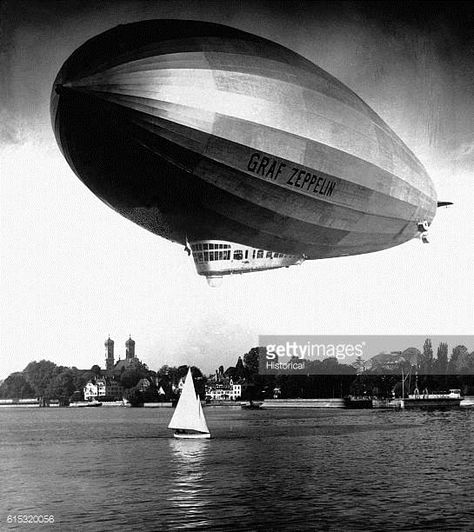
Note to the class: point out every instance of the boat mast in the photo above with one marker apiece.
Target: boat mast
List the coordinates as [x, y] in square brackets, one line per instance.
[402, 402]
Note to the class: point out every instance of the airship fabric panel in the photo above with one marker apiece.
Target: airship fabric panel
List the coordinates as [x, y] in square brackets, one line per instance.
[200, 131]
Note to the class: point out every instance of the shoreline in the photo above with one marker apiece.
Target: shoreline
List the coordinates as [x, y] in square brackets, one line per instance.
[467, 402]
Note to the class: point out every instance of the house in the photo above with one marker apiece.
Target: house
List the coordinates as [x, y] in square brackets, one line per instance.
[101, 387]
[224, 390]
[143, 385]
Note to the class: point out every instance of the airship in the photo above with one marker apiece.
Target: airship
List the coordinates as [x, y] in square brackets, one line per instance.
[241, 150]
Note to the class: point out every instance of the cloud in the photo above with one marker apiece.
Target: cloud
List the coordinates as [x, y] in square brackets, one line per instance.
[10, 132]
[465, 150]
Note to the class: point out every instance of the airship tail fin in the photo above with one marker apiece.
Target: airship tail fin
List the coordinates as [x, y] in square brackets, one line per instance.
[444, 203]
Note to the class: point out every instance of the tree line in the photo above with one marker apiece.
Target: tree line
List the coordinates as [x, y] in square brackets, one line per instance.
[325, 378]
[46, 381]
[328, 378]
[422, 369]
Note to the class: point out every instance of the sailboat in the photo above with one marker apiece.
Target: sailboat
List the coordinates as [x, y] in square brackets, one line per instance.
[188, 420]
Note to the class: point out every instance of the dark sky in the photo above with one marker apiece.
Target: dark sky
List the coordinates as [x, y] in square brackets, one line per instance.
[425, 49]
[76, 267]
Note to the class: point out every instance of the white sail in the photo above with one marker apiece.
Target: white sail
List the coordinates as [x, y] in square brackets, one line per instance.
[188, 414]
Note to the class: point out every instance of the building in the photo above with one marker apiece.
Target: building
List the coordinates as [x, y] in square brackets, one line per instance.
[94, 389]
[143, 385]
[109, 355]
[224, 390]
[101, 387]
[115, 369]
[129, 349]
[393, 360]
[108, 385]
[226, 385]
[130, 361]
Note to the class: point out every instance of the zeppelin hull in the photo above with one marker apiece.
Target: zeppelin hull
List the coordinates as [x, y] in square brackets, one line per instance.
[202, 131]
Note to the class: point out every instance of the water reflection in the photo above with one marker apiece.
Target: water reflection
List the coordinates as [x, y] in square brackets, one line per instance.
[189, 493]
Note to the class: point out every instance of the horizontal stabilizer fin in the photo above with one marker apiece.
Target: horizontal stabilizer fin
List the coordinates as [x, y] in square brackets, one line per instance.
[444, 203]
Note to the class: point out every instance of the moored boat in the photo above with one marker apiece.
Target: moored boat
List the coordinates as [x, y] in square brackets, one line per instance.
[438, 400]
[85, 404]
[468, 402]
[251, 405]
[94, 403]
[352, 401]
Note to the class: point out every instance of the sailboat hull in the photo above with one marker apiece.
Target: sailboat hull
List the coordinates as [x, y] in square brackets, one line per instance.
[192, 436]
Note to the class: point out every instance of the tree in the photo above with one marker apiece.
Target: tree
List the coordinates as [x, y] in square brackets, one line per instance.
[198, 379]
[358, 364]
[412, 355]
[77, 395]
[251, 363]
[441, 363]
[230, 372]
[164, 371]
[80, 378]
[134, 396]
[459, 361]
[426, 364]
[166, 377]
[39, 375]
[61, 387]
[96, 371]
[15, 386]
[182, 371]
[239, 369]
[130, 377]
[252, 392]
[329, 366]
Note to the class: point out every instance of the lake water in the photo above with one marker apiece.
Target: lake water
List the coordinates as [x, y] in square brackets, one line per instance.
[293, 469]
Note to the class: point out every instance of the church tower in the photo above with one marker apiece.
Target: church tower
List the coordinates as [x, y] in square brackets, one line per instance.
[130, 349]
[109, 354]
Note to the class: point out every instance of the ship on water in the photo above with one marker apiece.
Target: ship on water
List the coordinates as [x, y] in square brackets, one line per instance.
[438, 400]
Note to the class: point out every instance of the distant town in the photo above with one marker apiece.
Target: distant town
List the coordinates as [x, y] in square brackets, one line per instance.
[128, 380]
